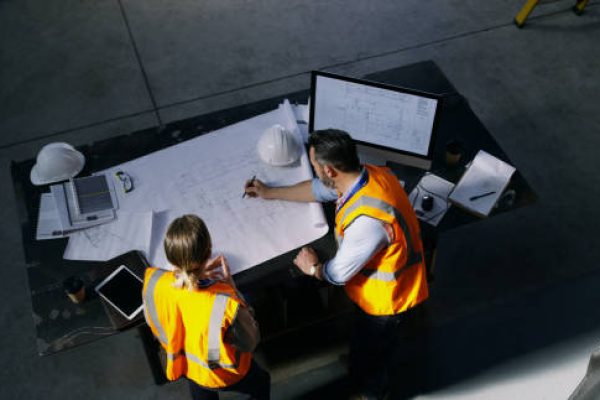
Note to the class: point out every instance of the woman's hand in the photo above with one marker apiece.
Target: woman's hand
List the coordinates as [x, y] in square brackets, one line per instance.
[217, 269]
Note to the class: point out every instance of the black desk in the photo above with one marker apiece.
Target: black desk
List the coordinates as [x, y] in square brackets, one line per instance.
[458, 122]
[45, 266]
[61, 324]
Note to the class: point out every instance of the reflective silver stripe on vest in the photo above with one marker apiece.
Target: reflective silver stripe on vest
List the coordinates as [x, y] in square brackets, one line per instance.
[172, 356]
[198, 360]
[151, 305]
[382, 206]
[412, 258]
[214, 328]
[390, 276]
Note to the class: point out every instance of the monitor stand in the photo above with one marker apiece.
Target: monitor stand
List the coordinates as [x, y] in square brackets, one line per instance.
[376, 156]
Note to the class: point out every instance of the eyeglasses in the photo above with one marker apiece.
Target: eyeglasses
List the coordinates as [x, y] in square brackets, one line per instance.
[126, 181]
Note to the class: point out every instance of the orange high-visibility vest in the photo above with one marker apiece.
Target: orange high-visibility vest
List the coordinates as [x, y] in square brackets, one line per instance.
[191, 325]
[393, 280]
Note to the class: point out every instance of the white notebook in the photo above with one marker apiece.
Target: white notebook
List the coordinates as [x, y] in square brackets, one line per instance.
[49, 226]
[482, 184]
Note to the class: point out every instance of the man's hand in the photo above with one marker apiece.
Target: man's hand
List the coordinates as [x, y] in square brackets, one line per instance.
[301, 191]
[256, 188]
[306, 259]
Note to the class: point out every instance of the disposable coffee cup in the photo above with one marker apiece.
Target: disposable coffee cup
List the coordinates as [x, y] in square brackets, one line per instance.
[75, 289]
[454, 152]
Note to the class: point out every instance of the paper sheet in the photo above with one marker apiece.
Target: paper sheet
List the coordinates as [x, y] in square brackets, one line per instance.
[48, 226]
[316, 210]
[160, 223]
[206, 176]
[130, 231]
[301, 114]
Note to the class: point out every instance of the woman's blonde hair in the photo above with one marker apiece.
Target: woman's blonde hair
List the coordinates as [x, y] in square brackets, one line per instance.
[188, 247]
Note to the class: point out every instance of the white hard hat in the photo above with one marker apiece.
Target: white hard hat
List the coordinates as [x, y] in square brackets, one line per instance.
[278, 147]
[56, 162]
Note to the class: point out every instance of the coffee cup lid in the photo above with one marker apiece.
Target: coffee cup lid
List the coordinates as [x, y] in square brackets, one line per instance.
[72, 284]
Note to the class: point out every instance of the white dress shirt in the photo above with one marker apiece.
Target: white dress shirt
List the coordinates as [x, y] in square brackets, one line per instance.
[361, 241]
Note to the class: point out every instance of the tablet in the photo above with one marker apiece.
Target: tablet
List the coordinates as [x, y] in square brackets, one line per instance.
[123, 290]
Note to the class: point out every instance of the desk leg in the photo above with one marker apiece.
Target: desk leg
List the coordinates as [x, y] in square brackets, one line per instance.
[151, 349]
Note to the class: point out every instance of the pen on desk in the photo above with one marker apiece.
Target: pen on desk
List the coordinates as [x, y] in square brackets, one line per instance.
[479, 196]
[251, 182]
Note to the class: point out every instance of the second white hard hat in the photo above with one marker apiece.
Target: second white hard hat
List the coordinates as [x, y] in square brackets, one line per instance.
[56, 162]
[278, 147]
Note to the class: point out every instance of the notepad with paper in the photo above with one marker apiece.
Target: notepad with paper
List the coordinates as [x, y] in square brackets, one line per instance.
[482, 184]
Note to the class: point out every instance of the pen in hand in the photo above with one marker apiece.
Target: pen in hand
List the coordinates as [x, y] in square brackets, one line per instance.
[249, 184]
[479, 196]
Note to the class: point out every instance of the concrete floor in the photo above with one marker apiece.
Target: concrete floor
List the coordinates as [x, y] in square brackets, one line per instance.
[513, 303]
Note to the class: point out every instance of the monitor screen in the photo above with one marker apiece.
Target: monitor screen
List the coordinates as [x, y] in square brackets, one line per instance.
[374, 114]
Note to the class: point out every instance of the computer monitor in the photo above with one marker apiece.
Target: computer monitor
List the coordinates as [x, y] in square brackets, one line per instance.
[387, 122]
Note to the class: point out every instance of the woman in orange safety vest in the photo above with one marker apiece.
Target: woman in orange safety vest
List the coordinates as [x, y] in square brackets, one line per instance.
[205, 327]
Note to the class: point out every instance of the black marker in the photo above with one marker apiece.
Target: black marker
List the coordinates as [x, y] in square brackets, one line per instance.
[479, 196]
[251, 183]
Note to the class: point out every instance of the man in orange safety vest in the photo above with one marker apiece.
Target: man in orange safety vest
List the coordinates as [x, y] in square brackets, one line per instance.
[379, 259]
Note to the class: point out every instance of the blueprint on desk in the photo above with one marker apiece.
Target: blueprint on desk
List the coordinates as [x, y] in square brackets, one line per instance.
[206, 176]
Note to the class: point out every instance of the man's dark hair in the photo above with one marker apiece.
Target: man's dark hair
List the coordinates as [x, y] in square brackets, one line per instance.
[335, 147]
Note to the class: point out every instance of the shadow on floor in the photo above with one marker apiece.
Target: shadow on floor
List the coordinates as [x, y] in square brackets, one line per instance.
[434, 357]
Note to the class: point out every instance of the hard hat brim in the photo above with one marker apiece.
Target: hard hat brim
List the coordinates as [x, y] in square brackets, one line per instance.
[38, 178]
